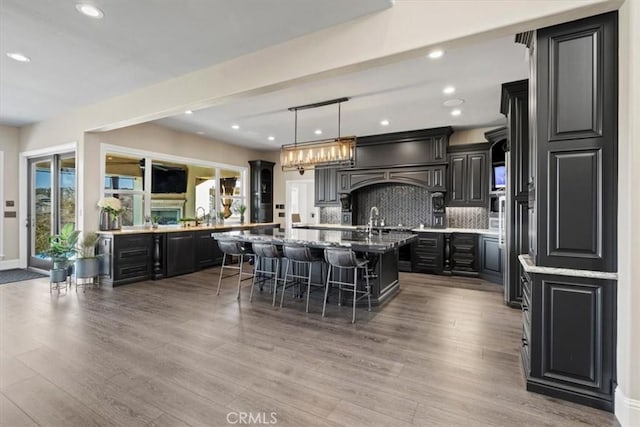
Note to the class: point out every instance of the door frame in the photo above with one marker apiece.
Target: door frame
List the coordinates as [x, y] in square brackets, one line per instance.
[23, 190]
[288, 183]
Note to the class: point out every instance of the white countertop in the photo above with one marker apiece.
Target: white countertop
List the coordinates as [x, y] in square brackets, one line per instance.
[530, 267]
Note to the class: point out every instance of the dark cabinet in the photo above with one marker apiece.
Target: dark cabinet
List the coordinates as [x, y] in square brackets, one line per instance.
[207, 252]
[468, 176]
[491, 259]
[577, 124]
[261, 187]
[428, 253]
[514, 105]
[464, 254]
[326, 187]
[125, 258]
[410, 148]
[569, 330]
[180, 253]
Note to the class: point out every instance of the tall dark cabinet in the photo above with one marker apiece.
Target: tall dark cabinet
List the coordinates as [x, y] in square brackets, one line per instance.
[514, 105]
[569, 320]
[261, 187]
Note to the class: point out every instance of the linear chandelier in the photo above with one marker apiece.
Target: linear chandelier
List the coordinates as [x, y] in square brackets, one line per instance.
[301, 156]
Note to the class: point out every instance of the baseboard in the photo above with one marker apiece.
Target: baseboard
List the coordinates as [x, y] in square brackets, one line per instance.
[9, 264]
[627, 410]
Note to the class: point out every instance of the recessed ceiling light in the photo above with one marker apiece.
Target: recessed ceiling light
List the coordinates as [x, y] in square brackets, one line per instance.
[271, 138]
[235, 127]
[453, 102]
[18, 57]
[89, 10]
[188, 112]
[448, 90]
[435, 54]
[456, 112]
[384, 122]
[318, 131]
[200, 132]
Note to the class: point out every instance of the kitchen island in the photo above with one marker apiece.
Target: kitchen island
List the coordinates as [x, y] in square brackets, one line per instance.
[380, 249]
[138, 254]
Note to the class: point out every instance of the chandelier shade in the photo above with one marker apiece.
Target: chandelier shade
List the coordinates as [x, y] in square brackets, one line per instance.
[306, 155]
[339, 151]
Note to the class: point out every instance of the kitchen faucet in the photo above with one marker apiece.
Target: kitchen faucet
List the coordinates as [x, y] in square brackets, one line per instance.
[371, 213]
[204, 214]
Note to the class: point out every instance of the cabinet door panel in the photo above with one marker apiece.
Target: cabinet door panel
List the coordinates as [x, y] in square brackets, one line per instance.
[457, 165]
[180, 253]
[477, 179]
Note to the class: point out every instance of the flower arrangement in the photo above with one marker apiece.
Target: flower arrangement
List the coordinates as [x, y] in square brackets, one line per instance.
[111, 205]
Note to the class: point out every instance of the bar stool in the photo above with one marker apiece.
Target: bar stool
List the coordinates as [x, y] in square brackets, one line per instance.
[346, 259]
[232, 248]
[300, 255]
[266, 252]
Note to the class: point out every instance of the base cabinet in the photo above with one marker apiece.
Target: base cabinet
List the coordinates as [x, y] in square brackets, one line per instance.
[491, 259]
[125, 259]
[569, 338]
[464, 254]
[428, 253]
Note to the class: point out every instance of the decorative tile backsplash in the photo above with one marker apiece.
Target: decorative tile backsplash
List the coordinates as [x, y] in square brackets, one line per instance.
[397, 204]
[467, 217]
[404, 204]
[330, 215]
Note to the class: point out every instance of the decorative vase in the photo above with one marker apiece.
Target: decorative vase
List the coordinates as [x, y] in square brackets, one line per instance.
[105, 220]
[241, 218]
[115, 222]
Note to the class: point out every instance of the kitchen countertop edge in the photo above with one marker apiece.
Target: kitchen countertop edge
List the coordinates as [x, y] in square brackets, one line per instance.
[530, 267]
[218, 228]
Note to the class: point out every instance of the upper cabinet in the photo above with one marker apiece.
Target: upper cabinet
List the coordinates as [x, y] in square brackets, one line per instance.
[326, 187]
[577, 124]
[261, 191]
[468, 175]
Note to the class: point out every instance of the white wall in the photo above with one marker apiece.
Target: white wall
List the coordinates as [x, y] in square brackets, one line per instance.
[9, 144]
[628, 334]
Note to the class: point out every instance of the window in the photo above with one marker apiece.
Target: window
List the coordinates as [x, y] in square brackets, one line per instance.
[169, 189]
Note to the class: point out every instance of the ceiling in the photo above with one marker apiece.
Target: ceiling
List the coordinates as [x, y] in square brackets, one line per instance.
[408, 94]
[77, 61]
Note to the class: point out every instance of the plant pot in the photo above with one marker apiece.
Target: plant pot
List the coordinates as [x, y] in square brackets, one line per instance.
[57, 275]
[87, 267]
[105, 220]
[242, 219]
[115, 222]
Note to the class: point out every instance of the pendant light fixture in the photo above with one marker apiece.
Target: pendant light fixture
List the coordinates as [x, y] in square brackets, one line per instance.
[301, 156]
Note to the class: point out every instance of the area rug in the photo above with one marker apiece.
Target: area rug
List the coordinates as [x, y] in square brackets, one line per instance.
[18, 275]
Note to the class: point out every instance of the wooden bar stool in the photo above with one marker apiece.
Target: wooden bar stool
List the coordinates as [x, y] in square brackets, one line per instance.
[232, 248]
[346, 259]
[266, 252]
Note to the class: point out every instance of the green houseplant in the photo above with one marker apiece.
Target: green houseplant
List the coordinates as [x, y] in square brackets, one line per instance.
[241, 210]
[87, 264]
[62, 247]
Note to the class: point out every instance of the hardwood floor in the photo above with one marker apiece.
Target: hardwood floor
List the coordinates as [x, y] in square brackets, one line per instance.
[445, 351]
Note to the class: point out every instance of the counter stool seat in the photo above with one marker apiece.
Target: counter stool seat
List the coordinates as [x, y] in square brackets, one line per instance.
[346, 259]
[232, 248]
[266, 252]
[301, 255]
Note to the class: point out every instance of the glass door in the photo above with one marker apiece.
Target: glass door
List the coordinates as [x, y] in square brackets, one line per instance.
[52, 203]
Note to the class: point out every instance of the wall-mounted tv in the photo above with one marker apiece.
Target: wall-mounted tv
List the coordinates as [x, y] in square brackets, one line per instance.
[499, 176]
[168, 179]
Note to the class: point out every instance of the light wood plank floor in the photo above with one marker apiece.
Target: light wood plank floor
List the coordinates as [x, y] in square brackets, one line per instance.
[171, 353]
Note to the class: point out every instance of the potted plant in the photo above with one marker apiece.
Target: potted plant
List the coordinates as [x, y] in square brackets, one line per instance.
[61, 248]
[87, 264]
[156, 220]
[241, 210]
[221, 216]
